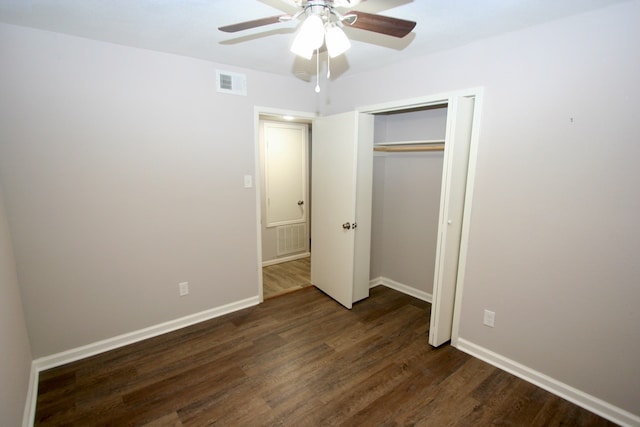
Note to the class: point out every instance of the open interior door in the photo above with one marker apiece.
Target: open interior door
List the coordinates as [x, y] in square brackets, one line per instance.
[454, 182]
[341, 171]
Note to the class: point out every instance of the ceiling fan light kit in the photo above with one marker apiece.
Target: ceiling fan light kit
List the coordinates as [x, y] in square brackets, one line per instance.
[309, 38]
[318, 28]
[322, 25]
[336, 40]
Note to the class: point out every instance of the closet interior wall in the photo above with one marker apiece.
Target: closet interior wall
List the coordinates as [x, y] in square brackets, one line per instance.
[406, 197]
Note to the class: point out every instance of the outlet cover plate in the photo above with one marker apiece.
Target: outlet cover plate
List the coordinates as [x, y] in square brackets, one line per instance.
[183, 288]
[489, 318]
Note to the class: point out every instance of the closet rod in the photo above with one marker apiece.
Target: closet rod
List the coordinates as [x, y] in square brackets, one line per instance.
[408, 148]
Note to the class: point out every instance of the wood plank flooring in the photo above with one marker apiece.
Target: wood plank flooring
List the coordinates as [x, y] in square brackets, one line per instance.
[298, 360]
[289, 276]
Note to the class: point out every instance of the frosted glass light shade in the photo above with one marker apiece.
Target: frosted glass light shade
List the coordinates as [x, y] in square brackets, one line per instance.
[337, 41]
[309, 38]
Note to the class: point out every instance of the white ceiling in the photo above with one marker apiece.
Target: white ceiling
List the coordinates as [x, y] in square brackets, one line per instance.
[189, 27]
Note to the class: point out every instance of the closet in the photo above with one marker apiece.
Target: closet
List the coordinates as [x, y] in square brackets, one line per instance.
[420, 193]
[409, 234]
[407, 178]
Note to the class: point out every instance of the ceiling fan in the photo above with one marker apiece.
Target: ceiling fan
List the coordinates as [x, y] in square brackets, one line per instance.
[322, 25]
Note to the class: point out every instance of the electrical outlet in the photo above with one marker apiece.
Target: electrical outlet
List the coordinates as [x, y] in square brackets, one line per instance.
[183, 288]
[489, 318]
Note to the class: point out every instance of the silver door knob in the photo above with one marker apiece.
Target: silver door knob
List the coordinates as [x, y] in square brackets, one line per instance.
[346, 226]
[300, 202]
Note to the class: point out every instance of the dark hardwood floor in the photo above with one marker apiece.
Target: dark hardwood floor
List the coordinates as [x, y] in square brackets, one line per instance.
[299, 360]
[289, 276]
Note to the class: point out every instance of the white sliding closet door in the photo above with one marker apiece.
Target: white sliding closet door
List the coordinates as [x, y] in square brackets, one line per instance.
[454, 181]
[341, 205]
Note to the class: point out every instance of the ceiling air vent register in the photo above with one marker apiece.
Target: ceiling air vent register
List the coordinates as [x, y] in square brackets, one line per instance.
[232, 83]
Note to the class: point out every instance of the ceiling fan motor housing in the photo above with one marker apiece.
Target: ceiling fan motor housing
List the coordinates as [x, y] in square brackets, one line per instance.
[319, 8]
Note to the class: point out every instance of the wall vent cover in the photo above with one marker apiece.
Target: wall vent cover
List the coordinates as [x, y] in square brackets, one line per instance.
[291, 238]
[233, 83]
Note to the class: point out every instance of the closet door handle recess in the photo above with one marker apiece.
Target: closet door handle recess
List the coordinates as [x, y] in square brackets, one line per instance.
[346, 226]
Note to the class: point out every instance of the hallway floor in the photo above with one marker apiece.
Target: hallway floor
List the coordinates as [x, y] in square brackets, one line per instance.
[289, 276]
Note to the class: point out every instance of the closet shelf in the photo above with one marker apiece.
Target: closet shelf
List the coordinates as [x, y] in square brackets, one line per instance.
[409, 147]
[419, 142]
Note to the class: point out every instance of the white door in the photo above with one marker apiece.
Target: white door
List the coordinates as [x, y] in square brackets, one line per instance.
[341, 228]
[454, 181]
[285, 172]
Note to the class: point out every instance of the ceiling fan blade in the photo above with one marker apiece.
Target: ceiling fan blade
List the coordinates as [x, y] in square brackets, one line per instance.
[382, 24]
[251, 24]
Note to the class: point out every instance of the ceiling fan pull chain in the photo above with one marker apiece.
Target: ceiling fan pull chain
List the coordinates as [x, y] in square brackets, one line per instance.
[317, 70]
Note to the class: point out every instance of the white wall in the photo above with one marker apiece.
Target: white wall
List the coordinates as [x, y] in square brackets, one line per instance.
[406, 203]
[555, 238]
[15, 357]
[123, 175]
[377, 217]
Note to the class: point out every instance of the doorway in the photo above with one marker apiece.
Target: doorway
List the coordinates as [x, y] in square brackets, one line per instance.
[283, 172]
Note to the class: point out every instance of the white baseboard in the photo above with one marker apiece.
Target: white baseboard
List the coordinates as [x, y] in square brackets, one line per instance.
[285, 259]
[88, 350]
[29, 415]
[580, 398]
[78, 353]
[405, 289]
